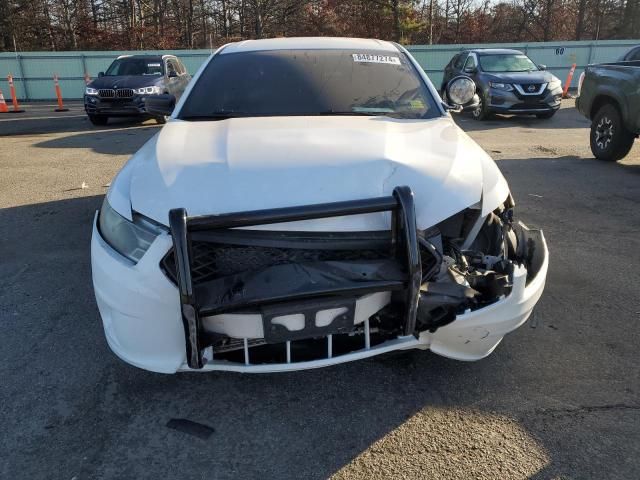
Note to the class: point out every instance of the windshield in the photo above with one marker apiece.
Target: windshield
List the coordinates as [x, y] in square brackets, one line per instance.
[135, 66]
[309, 82]
[510, 62]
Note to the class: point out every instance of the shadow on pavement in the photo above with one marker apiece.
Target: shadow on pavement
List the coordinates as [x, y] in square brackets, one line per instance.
[565, 118]
[110, 140]
[631, 168]
[41, 124]
[556, 399]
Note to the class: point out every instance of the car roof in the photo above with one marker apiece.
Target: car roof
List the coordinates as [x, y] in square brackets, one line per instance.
[495, 51]
[310, 43]
[146, 57]
[629, 52]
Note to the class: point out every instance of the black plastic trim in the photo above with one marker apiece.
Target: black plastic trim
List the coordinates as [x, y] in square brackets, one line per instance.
[190, 312]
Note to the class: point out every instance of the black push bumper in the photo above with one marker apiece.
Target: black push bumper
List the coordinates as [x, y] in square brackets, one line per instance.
[297, 288]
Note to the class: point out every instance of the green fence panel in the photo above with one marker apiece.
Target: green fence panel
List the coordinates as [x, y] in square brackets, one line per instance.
[33, 71]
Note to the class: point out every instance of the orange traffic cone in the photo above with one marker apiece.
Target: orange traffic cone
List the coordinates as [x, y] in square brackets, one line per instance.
[58, 95]
[3, 104]
[14, 99]
[567, 84]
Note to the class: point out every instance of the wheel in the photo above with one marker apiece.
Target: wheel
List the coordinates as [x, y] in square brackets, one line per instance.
[481, 112]
[160, 119]
[609, 139]
[546, 114]
[98, 119]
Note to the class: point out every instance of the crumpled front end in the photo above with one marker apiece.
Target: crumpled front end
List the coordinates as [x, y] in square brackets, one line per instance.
[214, 294]
[501, 305]
[261, 301]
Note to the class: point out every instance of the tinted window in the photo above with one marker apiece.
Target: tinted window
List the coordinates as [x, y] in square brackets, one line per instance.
[315, 82]
[135, 66]
[635, 54]
[509, 62]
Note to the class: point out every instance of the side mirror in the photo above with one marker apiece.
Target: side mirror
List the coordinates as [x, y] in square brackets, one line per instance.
[542, 67]
[100, 74]
[160, 104]
[172, 74]
[460, 92]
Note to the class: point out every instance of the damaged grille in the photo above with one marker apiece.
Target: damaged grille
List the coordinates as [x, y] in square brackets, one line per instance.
[290, 285]
[211, 260]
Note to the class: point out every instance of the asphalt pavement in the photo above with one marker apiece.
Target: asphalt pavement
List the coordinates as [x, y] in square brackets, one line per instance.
[558, 399]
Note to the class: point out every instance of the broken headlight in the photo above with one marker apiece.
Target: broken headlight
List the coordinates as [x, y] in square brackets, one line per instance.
[471, 265]
[129, 239]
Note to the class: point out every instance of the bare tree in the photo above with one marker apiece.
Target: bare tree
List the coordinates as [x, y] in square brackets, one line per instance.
[118, 24]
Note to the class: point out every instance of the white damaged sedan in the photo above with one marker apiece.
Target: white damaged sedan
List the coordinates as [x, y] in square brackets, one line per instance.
[310, 202]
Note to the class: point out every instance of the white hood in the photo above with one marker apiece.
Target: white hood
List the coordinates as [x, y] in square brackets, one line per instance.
[257, 163]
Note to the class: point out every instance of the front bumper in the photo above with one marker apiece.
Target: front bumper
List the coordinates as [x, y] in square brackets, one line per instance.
[474, 335]
[115, 107]
[142, 317]
[513, 103]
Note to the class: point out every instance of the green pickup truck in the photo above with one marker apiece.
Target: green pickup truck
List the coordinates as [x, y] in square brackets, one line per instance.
[609, 95]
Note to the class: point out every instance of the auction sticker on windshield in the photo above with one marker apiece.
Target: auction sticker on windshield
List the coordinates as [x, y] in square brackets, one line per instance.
[368, 58]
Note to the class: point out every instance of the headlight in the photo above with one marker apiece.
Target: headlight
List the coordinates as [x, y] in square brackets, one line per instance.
[148, 90]
[553, 84]
[501, 86]
[130, 239]
[90, 91]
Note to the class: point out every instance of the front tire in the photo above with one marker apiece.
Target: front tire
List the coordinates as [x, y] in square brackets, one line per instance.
[98, 120]
[610, 140]
[481, 112]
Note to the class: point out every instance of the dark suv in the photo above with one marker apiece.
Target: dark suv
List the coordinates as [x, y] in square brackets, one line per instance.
[508, 82]
[121, 90]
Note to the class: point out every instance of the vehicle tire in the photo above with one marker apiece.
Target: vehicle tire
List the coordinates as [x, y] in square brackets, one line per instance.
[99, 120]
[546, 115]
[481, 112]
[160, 119]
[609, 139]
